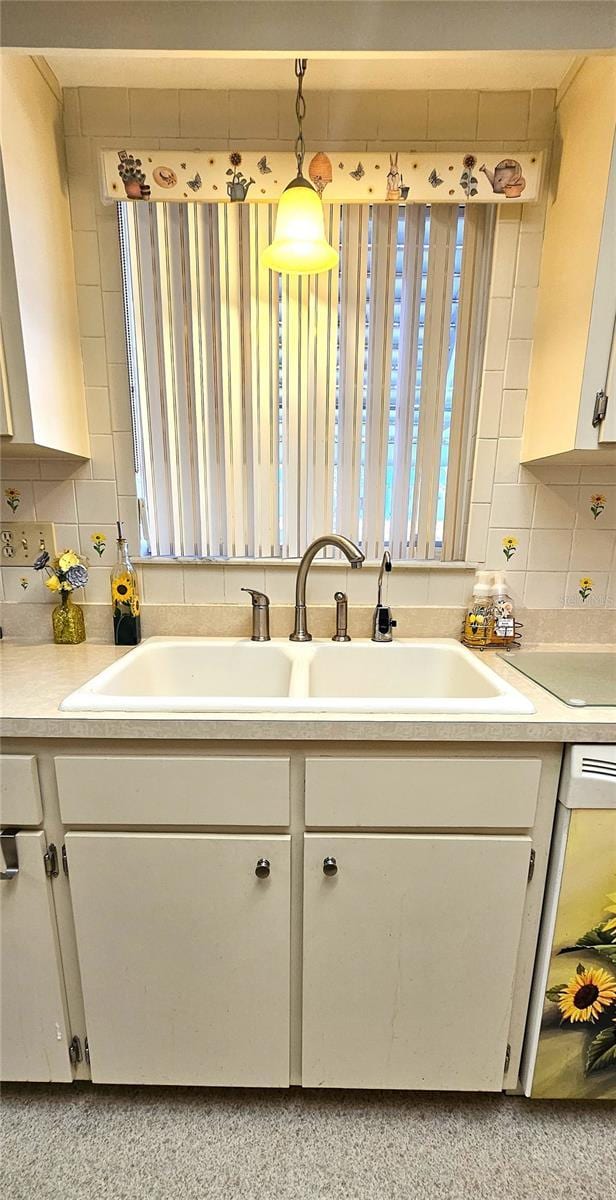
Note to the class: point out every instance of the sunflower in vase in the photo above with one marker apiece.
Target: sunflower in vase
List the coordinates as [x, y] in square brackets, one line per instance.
[65, 573]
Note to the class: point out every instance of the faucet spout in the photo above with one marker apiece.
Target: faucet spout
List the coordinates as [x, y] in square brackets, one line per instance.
[352, 553]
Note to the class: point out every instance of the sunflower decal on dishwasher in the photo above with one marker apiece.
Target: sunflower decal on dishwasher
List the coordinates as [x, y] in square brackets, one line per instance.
[586, 1001]
[590, 992]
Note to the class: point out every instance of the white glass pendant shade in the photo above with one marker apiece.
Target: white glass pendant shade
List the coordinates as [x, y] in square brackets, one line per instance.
[300, 246]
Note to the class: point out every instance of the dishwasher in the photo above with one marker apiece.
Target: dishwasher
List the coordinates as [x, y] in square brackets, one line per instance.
[570, 1044]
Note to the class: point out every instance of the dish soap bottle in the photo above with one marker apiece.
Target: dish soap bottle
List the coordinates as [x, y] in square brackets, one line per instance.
[479, 620]
[125, 597]
[503, 628]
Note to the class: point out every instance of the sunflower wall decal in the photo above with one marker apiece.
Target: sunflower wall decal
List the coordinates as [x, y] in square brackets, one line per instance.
[13, 498]
[99, 543]
[585, 588]
[597, 504]
[510, 546]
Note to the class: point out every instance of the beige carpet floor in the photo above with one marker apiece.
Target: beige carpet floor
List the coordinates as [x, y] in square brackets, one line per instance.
[83, 1142]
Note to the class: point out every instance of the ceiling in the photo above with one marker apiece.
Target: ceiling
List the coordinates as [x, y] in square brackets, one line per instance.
[488, 71]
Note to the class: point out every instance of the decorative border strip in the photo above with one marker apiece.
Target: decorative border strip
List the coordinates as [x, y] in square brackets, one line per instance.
[472, 177]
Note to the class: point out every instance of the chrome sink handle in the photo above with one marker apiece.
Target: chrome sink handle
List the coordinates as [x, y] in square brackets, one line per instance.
[352, 553]
[260, 615]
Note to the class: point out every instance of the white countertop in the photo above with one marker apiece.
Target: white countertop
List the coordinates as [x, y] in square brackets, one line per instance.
[36, 678]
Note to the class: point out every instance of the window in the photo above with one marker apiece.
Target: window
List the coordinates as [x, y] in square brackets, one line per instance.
[268, 409]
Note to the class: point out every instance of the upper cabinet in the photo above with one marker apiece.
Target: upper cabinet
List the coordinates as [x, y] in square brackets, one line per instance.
[42, 397]
[574, 332]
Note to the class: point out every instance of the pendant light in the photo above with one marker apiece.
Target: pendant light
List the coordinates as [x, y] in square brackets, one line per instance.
[300, 246]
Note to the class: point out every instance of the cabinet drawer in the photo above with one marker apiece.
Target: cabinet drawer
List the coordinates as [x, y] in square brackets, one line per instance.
[415, 793]
[20, 794]
[173, 791]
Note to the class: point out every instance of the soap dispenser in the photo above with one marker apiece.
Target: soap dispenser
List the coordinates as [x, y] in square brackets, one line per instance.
[125, 597]
[479, 620]
[503, 626]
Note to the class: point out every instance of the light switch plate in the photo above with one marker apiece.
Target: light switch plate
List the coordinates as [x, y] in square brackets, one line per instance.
[21, 542]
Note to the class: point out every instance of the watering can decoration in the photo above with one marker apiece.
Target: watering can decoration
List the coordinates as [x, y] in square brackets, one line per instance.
[506, 178]
[238, 184]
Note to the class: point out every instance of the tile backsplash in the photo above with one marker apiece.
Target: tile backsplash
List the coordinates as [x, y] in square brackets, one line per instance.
[558, 533]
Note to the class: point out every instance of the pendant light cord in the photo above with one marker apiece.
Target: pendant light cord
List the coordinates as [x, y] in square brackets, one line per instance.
[300, 113]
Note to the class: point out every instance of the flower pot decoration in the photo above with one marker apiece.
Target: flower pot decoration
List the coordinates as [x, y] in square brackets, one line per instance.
[132, 176]
[238, 184]
[65, 573]
[506, 178]
[320, 171]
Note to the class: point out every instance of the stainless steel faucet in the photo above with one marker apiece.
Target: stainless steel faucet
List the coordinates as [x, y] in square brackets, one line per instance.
[260, 615]
[382, 623]
[355, 557]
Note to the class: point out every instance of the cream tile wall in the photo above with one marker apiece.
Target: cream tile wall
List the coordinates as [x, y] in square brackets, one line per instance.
[548, 513]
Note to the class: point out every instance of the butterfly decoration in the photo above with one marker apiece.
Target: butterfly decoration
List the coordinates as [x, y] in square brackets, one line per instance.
[183, 166]
[358, 173]
[263, 167]
[194, 184]
[434, 178]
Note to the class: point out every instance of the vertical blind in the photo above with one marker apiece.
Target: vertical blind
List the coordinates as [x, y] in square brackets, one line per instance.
[268, 409]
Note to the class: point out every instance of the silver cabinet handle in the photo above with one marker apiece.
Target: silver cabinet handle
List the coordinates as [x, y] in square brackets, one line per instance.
[262, 868]
[8, 842]
[330, 866]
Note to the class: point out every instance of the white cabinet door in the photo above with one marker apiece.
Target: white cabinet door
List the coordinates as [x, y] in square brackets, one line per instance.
[409, 956]
[35, 1038]
[184, 955]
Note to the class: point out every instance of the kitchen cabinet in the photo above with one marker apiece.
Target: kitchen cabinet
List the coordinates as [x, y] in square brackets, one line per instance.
[35, 1042]
[205, 939]
[410, 948]
[184, 943]
[572, 357]
[43, 399]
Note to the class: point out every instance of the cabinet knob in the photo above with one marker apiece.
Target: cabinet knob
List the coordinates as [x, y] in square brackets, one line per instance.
[330, 866]
[262, 868]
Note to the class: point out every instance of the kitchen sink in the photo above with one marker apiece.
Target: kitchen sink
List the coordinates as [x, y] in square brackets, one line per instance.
[237, 675]
[431, 676]
[190, 675]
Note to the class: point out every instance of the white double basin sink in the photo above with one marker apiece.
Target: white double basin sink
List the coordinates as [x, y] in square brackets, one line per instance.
[235, 675]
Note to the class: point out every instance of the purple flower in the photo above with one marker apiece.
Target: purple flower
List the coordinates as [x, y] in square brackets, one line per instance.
[77, 576]
[41, 561]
